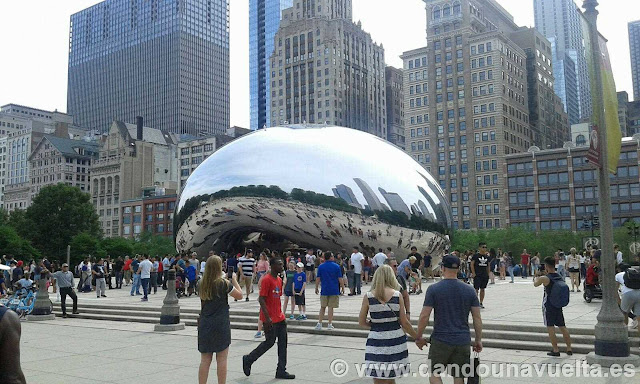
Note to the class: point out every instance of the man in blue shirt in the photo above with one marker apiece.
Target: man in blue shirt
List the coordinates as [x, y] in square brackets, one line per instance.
[451, 300]
[329, 275]
[135, 287]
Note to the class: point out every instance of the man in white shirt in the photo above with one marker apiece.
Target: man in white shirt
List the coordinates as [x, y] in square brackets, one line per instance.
[379, 259]
[145, 275]
[619, 258]
[630, 300]
[166, 266]
[356, 261]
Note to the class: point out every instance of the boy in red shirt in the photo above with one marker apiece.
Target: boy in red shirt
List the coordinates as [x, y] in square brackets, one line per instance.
[274, 322]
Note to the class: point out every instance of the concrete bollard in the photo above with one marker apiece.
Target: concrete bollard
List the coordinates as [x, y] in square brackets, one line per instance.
[170, 312]
[42, 308]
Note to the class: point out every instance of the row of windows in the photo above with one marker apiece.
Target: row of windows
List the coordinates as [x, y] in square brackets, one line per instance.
[486, 209]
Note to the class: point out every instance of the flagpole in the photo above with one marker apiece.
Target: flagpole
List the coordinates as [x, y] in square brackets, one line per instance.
[612, 336]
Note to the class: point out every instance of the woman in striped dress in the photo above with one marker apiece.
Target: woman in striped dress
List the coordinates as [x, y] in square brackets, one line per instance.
[386, 354]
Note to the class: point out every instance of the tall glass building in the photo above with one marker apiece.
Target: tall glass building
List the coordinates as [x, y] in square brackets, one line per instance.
[634, 48]
[264, 21]
[165, 60]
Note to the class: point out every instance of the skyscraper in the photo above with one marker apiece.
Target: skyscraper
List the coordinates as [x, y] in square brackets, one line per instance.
[326, 69]
[167, 61]
[634, 47]
[466, 106]
[562, 21]
[264, 20]
[395, 106]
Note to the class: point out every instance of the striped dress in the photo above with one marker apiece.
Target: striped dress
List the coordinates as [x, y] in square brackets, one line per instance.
[386, 354]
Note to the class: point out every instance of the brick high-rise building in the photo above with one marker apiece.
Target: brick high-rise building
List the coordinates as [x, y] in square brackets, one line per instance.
[326, 69]
[549, 124]
[466, 105]
[395, 106]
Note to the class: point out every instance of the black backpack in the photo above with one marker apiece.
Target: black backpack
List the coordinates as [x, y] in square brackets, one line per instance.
[632, 278]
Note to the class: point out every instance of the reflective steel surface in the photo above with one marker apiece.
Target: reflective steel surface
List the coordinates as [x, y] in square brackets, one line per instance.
[310, 186]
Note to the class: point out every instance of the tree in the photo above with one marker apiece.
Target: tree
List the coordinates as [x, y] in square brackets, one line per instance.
[57, 214]
[83, 245]
[12, 244]
[153, 245]
[116, 247]
[18, 220]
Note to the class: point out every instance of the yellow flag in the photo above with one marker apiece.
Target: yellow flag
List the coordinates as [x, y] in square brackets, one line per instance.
[610, 101]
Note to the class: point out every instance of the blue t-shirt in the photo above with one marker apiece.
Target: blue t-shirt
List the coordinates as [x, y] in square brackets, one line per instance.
[401, 268]
[329, 274]
[298, 280]
[134, 266]
[191, 273]
[451, 301]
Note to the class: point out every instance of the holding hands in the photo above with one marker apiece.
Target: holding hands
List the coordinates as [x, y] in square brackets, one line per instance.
[421, 342]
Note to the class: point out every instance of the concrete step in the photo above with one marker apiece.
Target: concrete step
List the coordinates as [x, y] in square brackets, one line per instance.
[579, 346]
[187, 312]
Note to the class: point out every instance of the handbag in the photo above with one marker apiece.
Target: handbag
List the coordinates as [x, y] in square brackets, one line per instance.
[475, 364]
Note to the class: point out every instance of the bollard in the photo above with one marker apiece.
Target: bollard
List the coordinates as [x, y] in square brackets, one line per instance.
[170, 312]
[42, 308]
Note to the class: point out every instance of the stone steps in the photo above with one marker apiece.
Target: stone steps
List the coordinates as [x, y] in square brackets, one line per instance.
[495, 335]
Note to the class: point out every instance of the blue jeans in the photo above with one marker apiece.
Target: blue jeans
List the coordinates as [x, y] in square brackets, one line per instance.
[135, 287]
[525, 270]
[358, 281]
[145, 286]
[562, 272]
[510, 272]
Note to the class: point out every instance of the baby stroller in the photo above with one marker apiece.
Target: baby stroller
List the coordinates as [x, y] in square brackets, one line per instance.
[180, 286]
[592, 292]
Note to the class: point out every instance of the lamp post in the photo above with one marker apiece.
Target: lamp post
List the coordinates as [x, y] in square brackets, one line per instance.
[612, 336]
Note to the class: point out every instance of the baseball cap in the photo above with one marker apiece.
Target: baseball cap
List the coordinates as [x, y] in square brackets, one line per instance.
[300, 265]
[451, 262]
[65, 265]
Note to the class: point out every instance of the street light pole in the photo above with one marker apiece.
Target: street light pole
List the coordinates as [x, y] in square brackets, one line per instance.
[612, 336]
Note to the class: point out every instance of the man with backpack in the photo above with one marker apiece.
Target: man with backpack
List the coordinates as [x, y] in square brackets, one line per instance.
[629, 281]
[556, 297]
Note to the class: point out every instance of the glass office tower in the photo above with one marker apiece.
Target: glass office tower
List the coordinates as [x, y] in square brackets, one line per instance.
[165, 60]
[264, 21]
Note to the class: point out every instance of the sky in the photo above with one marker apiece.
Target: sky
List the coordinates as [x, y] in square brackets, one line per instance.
[35, 44]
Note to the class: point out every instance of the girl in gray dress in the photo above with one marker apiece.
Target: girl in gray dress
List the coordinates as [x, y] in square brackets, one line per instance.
[214, 330]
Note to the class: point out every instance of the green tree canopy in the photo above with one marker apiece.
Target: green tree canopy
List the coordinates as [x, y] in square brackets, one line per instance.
[12, 244]
[57, 214]
[116, 247]
[82, 245]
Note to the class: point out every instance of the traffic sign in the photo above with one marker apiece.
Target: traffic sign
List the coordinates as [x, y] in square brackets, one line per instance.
[591, 241]
[634, 248]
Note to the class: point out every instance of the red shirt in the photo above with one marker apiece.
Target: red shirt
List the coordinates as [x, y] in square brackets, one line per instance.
[127, 265]
[271, 290]
[592, 276]
[524, 259]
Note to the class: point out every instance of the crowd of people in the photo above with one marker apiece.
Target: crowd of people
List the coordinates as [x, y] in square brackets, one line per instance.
[385, 310]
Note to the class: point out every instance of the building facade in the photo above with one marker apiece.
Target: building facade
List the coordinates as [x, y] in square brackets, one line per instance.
[549, 124]
[634, 48]
[562, 21]
[466, 106]
[152, 213]
[628, 115]
[556, 189]
[24, 128]
[326, 69]
[165, 60]
[193, 152]
[131, 158]
[264, 21]
[56, 160]
[395, 106]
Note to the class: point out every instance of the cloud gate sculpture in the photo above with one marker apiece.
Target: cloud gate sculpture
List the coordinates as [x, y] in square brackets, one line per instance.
[296, 187]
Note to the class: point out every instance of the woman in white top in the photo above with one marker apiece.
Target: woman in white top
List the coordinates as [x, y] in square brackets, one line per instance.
[574, 269]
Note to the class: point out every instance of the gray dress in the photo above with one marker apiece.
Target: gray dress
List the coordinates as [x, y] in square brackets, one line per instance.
[214, 329]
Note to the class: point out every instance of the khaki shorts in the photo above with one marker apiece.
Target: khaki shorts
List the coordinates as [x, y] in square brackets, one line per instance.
[247, 281]
[454, 357]
[330, 301]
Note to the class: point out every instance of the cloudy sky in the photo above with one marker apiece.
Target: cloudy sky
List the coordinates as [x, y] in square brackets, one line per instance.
[33, 62]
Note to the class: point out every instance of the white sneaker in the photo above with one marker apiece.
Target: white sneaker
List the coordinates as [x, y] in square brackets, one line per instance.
[634, 324]
[330, 327]
[318, 327]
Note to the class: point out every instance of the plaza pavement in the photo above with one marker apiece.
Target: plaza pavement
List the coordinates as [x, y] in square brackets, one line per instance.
[518, 303]
[69, 351]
